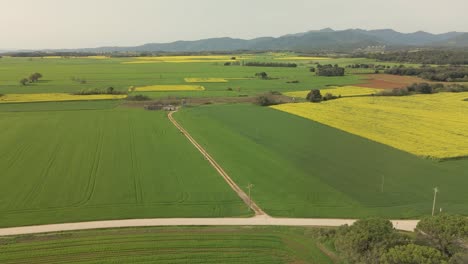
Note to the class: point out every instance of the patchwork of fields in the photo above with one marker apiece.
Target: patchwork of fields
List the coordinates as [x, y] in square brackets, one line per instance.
[91, 160]
[67, 166]
[433, 126]
[302, 168]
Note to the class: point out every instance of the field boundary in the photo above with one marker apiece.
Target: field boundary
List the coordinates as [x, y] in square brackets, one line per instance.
[249, 202]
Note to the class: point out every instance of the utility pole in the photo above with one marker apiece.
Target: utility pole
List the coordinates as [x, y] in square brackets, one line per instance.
[383, 182]
[250, 186]
[436, 190]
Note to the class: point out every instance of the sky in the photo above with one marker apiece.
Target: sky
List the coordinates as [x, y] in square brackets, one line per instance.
[53, 24]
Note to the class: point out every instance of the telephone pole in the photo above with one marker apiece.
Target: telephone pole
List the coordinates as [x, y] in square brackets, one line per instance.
[436, 190]
[250, 186]
[383, 183]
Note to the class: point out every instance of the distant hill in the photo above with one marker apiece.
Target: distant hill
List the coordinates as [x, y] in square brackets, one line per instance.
[316, 40]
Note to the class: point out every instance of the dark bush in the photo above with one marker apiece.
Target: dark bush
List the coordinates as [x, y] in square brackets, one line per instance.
[329, 96]
[138, 97]
[268, 99]
[270, 64]
[314, 96]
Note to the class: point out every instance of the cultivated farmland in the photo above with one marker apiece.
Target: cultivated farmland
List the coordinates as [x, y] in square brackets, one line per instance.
[433, 126]
[168, 245]
[66, 166]
[56, 97]
[338, 91]
[301, 168]
[165, 88]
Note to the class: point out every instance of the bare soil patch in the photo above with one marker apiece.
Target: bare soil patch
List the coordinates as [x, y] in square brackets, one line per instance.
[388, 81]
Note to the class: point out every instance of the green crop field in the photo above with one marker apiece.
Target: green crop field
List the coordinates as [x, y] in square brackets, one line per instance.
[114, 163]
[167, 245]
[64, 75]
[301, 168]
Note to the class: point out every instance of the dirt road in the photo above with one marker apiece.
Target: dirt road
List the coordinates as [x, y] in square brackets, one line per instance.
[218, 168]
[262, 220]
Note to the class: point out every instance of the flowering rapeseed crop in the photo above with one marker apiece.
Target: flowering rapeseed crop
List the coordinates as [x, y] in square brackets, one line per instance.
[343, 91]
[434, 126]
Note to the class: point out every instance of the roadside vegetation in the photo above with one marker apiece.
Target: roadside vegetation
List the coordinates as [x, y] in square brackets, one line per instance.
[437, 240]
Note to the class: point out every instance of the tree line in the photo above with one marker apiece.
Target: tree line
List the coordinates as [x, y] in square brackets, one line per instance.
[270, 64]
[441, 57]
[440, 73]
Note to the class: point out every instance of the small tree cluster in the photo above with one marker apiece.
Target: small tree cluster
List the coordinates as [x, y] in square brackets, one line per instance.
[314, 96]
[262, 75]
[439, 239]
[330, 70]
[31, 79]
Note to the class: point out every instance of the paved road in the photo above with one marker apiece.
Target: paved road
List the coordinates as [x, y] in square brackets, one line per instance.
[262, 220]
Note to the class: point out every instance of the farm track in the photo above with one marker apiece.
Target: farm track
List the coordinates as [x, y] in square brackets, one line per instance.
[218, 168]
[260, 220]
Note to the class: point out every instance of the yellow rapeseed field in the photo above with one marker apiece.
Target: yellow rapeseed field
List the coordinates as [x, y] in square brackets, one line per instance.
[205, 80]
[55, 97]
[161, 88]
[338, 90]
[434, 126]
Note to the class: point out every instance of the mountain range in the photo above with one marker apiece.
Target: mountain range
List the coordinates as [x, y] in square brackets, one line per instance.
[316, 40]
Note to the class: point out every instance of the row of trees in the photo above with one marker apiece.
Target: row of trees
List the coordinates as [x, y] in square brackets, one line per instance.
[440, 74]
[330, 70]
[438, 239]
[425, 88]
[31, 79]
[108, 90]
[271, 64]
[441, 57]
[367, 66]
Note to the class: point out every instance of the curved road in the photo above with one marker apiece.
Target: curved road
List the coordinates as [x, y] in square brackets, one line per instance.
[260, 218]
[406, 225]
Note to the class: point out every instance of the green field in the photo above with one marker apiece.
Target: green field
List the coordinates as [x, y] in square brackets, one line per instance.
[103, 73]
[75, 165]
[301, 168]
[167, 245]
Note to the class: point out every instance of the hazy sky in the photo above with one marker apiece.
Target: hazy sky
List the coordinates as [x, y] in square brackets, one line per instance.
[34, 24]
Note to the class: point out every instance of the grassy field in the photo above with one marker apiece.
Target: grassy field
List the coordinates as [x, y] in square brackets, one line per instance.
[75, 165]
[167, 245]
[433, 126]
[301, 168]
[56, 97]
